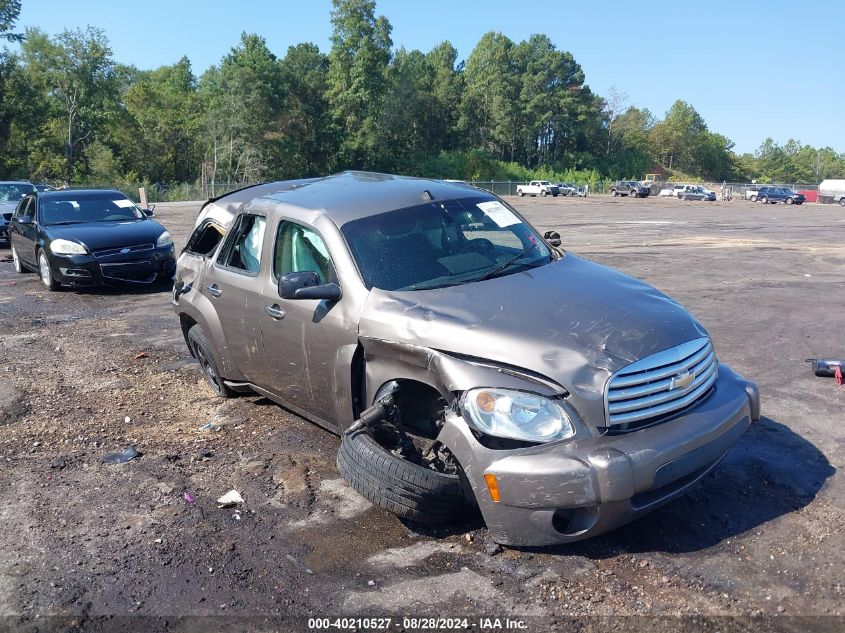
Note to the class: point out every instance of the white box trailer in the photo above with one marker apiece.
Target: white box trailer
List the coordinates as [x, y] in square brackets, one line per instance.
[832, 191]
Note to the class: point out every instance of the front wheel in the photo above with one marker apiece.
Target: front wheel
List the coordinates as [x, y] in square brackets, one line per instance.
[202, 352]
[614, 192]
[789, 201]
[46, 272]
[842, 202]
[753, 198]
[520, 193]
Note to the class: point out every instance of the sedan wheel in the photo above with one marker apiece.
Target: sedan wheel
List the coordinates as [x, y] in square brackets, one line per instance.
[19, 268]
[46, 272]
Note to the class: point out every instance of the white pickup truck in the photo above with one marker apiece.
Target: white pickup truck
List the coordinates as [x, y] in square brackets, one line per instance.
[538, 188]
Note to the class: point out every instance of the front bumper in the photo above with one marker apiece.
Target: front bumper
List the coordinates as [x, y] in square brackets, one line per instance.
[572, 490]
[119, 269]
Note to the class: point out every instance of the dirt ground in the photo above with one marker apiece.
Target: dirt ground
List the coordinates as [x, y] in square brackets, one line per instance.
[84, 374]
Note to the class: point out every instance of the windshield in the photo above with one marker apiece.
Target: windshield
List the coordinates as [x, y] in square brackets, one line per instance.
[443, 244]
[105, 207]
[15, 192]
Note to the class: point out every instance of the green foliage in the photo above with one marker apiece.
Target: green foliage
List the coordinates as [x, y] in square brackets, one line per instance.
[513, 111]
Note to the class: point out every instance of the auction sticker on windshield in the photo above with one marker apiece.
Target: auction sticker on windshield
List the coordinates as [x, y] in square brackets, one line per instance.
[499, 213]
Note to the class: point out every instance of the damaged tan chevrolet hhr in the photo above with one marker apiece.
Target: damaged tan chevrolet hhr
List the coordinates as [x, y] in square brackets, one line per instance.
[463, 358]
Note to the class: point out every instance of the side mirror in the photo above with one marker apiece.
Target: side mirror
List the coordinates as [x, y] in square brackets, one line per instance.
[306, 285]
[149, 212]
[552, 237]
[27, 219]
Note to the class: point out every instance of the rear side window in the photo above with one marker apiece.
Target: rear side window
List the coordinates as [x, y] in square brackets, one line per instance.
[205, 239]
[242, 250]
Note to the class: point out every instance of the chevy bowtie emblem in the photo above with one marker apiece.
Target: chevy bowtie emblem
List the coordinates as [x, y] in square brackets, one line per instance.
[682, 381]
[123, 251]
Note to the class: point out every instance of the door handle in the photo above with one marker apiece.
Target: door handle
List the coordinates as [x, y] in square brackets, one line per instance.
[275, 311]
[214, 291]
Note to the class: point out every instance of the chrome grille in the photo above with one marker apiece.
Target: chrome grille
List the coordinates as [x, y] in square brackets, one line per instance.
[661, 384]
[125, 250]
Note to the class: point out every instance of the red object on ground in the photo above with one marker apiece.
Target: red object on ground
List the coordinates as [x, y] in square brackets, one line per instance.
[838, 375]
[812, 196]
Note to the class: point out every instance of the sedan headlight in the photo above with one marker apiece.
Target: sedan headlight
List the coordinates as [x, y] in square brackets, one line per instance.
[67, 247]
[516, 415]
[164, 240]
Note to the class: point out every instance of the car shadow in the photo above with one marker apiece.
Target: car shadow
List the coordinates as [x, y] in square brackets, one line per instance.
[157, 287]
[772, 471]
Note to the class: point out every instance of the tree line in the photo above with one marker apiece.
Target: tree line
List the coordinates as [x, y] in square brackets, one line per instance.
[512, 110]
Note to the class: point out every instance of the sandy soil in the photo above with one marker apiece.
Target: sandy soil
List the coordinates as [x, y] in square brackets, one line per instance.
[84, 374]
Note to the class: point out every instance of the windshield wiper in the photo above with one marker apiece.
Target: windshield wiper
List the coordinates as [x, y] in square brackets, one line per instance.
[495, 271]
[65, 222]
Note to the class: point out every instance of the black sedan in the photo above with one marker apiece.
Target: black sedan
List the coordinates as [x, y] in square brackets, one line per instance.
[89, 238]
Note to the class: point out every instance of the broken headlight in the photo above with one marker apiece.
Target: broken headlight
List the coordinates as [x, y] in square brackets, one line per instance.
[516, 415]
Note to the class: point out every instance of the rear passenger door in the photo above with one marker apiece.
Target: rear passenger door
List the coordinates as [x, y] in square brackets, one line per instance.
[232, 285]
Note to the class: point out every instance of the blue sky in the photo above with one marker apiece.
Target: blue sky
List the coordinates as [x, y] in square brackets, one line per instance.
[751, 68]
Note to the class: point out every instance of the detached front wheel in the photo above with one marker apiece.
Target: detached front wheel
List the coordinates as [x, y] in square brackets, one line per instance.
[397, 485]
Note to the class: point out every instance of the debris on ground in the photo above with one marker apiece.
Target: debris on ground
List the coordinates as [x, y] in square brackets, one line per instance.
[231, 498]
[140, 355]
[188, 497]
[123, 456]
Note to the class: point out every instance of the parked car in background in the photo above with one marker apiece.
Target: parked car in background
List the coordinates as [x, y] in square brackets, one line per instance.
[89, 238]
[566, 189]
[832, 191]
[11, 193]
[363, 302]
[629, 188]
[697, 193]
[538, 188]
[774, 195]
[751, 193]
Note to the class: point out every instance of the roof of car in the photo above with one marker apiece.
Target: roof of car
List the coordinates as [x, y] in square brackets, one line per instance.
[352, 195]
[62, 194]
[15, 182]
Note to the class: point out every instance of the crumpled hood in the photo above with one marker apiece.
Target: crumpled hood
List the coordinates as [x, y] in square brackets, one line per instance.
[573, 321]
[97, 235]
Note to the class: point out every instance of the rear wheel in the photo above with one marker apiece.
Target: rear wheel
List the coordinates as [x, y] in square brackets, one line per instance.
[614, 192]
[842, 202]
[202, 352]
[543, 193]
[46, 272]
[764, 200]
[520, 193]
[753, 198]
[16, 260]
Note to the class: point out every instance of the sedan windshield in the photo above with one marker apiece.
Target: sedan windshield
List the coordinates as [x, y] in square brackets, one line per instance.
[443, 244]
[15, 192]
[101, 207]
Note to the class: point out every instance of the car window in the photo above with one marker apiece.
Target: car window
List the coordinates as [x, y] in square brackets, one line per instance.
[73, 208]
[24, 209]
[301, 249]
[441, 244]
[12, 192]
[205, 239]
[243, 247]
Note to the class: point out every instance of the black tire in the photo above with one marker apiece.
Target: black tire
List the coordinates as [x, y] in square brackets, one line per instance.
[554, 195]
[520, 193]
[789, 201]
[753, 198]
[614, 192]
[764, 200]
[398, 485]
[202, 352]
[842, 202]
[543, 193]
[20, 267]
[45, 271]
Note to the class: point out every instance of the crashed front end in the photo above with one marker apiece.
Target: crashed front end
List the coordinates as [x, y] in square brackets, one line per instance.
[600, 477]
